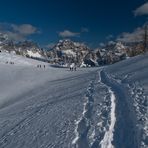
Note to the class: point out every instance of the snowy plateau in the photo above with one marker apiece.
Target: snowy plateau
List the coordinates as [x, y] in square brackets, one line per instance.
[47, 107]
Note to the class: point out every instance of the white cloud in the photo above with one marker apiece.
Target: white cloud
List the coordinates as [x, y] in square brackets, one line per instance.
[15, 36]
[135, 36]
[142, 10]
[25, 29]
[67, 33]
[18, 32]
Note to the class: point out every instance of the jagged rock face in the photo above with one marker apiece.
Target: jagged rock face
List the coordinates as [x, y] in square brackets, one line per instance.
[29, 49]
[25, 48]
[112, 53]
[67, 51]
[3, 38]
[115, 46]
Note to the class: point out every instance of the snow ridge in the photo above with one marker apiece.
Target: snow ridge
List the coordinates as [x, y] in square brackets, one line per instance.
[108, 137]
[83, 124]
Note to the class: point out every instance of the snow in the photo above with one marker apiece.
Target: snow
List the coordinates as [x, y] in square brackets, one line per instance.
[38, 106]
[107, 140]
[23, 75]
[84, 120]
[108, 137]
[90, 107]
[120, 46]
[18, 60]
[83, 65]
[69, 52]
[33, 54]
[131, 74]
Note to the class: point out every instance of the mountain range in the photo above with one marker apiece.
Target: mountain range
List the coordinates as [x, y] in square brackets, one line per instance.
[67, 51]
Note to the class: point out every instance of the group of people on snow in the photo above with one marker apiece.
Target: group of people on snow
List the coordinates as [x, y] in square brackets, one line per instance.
[40, 66]
[73, 67]
[9, 62]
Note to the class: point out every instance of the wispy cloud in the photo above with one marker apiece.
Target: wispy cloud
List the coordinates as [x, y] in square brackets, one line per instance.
[25, 29]
[142, 10]
[67, 33]
[18, 32]
[135, 36]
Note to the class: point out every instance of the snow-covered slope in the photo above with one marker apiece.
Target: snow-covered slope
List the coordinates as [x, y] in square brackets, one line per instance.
[40, 102]
[67, 52]
[20, 74]
[7, 58]
[88, 108]
[131, 77]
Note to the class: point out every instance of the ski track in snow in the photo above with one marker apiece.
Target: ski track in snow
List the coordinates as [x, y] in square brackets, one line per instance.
[83, 125]
[46, 118]
[108, 137]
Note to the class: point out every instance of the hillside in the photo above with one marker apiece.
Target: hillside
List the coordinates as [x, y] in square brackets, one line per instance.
[53, 107]
[130, 82]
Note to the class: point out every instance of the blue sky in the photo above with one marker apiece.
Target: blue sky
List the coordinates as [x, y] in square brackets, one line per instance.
[89, 21]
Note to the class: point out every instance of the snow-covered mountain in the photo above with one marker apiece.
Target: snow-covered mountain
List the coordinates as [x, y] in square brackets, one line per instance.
[30, 49]
[24, 48]
[3, 38]
[111, 53]
[67, 51]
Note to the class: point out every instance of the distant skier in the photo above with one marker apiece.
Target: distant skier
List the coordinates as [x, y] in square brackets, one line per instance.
[11, 63]
[72, 67]
[44, 66]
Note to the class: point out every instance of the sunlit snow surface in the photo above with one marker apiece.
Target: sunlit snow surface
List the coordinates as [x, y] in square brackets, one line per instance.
[108, 137]
[133, 74]
[88, 108]
[34, 54]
